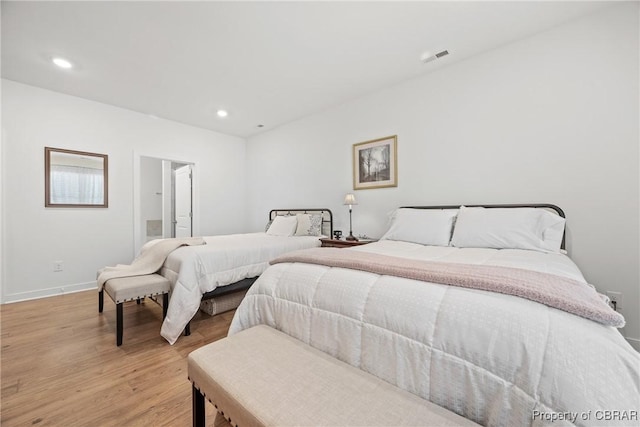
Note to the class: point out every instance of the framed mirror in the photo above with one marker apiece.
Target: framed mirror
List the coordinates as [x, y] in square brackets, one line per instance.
[75, 179]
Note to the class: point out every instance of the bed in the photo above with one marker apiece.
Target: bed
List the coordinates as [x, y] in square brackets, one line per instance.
[231, 263]
[495, 358]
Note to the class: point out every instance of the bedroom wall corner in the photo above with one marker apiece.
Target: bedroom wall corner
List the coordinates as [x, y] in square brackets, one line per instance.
[89, 239]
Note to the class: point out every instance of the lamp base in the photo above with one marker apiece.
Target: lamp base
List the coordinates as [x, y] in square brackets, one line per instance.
[351, 237]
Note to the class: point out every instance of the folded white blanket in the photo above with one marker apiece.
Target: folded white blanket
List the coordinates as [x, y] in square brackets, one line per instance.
[149, 261]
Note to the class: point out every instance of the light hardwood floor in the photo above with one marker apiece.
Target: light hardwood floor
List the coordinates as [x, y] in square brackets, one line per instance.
[60, 365]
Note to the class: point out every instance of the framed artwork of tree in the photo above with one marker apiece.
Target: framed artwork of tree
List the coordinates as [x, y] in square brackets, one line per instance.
[375, 163]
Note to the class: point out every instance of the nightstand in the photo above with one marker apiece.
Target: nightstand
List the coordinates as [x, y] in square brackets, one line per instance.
[333, 243]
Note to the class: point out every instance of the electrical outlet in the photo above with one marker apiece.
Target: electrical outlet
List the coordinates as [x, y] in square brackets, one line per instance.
[615, 300]
[57, 266]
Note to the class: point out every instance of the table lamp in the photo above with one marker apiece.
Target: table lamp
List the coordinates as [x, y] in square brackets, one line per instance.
[350, 200]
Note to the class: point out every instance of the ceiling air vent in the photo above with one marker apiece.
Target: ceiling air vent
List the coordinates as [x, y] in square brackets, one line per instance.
[428, 57]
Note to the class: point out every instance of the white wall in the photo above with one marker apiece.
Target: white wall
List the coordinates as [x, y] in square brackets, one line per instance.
[552, 118]
[88, 239]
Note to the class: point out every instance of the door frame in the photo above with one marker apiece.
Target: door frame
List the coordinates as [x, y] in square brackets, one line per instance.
[195, 200]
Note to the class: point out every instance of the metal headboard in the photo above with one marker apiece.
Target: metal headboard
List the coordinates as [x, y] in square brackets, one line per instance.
[548, 206]
[327, 216]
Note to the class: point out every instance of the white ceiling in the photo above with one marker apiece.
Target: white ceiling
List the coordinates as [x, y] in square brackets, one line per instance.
[265, 62]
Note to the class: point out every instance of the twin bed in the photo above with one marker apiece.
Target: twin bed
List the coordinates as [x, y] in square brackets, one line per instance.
[231, 263]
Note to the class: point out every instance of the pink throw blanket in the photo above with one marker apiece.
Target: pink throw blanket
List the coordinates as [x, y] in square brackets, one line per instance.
[554, 291]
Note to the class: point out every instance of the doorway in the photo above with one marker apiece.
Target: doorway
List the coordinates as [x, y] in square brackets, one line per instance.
[165, 200]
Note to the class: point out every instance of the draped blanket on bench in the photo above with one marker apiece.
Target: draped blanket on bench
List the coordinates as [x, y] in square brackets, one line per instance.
[150, 260]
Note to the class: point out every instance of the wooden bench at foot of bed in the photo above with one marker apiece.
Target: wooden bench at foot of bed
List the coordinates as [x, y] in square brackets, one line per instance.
[263, 377]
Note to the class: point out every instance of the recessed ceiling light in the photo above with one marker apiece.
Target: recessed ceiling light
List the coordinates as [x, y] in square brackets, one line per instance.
[222, 113]
[62, 63]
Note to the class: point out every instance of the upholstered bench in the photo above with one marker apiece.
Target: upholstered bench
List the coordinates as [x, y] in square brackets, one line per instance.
[134, 288]
[262, 377]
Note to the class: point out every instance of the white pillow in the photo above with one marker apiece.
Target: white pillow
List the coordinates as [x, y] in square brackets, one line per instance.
[309, 225]
[283, 226]
[508, 228]
[424, 226]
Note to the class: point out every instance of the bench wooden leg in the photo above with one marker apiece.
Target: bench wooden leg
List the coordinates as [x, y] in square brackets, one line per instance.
[100, 301]
[119, 324]
[198, 412]
[165, 305]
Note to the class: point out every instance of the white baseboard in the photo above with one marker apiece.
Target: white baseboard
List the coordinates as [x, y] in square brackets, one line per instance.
[50, 292]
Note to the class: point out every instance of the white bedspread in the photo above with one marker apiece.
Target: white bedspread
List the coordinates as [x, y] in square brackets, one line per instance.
[496, 359]
[194, 270]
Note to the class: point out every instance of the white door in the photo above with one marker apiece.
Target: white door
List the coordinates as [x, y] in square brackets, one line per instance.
[183, 201]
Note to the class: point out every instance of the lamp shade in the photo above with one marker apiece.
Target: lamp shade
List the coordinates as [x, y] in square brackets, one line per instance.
[350, 199]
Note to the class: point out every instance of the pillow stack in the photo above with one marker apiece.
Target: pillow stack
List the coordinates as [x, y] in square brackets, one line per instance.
[298, 225]
[498, 228]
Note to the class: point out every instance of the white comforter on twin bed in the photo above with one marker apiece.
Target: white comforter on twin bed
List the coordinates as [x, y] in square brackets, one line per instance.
[496, 359]
[194, 270]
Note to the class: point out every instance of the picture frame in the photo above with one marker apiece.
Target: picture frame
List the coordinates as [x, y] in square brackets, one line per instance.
[375, 163]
